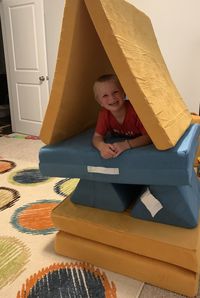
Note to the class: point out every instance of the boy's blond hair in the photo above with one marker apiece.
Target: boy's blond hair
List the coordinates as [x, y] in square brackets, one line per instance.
[105, 78]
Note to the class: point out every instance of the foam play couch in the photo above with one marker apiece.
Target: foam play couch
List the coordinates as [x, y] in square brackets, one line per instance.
[114, 184]
[148, 196]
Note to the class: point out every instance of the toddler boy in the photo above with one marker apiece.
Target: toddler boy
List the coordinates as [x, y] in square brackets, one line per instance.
[117, 116]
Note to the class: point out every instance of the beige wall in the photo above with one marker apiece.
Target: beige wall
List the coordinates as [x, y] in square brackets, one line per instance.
[177, 27]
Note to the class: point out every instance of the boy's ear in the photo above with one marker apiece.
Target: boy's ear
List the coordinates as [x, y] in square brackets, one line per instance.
[97, 99]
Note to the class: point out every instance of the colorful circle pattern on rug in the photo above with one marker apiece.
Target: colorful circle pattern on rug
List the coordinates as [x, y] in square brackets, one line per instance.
[8, 197]
[35, 218]
[68, 280]
[13, 258]
[6, 166]
[28, 177]
[66, 186]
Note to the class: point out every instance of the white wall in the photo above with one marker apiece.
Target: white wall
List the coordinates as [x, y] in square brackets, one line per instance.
[53, 10]
[177, 27]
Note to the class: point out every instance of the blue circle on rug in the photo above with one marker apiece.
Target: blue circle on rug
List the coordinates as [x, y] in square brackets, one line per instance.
[65, 283]
[29, 176]
[69, 280]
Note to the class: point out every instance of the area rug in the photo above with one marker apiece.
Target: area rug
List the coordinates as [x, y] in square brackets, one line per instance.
[29, 266]
[22, 136]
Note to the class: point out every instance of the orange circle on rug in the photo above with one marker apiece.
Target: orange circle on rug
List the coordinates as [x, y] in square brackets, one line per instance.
[6, 166]
[35, 218]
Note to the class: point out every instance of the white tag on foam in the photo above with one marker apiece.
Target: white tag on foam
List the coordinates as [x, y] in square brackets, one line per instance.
[102, 170]
[151, 203]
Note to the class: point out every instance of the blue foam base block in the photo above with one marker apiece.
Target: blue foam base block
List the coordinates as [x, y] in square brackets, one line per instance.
[180, 205]
[144, 165]
[107, 196]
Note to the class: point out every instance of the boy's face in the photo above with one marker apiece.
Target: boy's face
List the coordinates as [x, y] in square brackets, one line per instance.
[109, 95]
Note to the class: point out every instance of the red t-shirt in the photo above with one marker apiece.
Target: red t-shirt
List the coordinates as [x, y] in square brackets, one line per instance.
[131, 126]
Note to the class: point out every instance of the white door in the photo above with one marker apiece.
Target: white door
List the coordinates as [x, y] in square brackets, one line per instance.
[26, 60]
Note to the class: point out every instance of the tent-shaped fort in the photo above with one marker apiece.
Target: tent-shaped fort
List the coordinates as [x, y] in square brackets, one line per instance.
[101, 37]
[157, 238]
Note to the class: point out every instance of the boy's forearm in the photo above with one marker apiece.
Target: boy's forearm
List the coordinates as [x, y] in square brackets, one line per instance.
[97, 141]
[140, 141]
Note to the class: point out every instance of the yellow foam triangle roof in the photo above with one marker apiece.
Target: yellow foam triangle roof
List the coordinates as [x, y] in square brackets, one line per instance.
[112, 36]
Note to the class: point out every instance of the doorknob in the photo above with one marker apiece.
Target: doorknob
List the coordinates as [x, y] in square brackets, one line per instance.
[42, 79]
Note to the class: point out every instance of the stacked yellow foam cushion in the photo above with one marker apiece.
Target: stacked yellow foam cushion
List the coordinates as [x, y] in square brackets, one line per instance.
[163, 255]
[112, 36]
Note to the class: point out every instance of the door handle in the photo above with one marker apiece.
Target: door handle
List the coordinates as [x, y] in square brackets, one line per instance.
[42, 79]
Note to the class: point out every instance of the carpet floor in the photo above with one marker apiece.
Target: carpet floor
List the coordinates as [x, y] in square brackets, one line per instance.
[28, 263]
[29, 266]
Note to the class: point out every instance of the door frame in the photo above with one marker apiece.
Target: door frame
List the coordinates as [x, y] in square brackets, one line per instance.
[7, 64]
[6, 56]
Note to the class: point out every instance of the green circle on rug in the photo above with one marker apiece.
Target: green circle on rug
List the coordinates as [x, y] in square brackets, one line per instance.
[8, 197]
[28, 177]
[13, 258]
[66, 186]
[68, 280]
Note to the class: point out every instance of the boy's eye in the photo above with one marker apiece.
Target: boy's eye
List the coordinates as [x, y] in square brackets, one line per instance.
[116, 91]
[105, 95]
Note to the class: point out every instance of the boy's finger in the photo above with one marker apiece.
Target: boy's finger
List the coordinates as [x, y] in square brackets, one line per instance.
[112, 147]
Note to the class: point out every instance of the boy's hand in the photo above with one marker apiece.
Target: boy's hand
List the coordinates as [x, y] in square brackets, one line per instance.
[107, 150]
[120, 147]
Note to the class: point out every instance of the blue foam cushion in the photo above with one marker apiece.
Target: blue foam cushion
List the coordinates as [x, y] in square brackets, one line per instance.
[108, 196]
[180, 204]
[143, 165]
